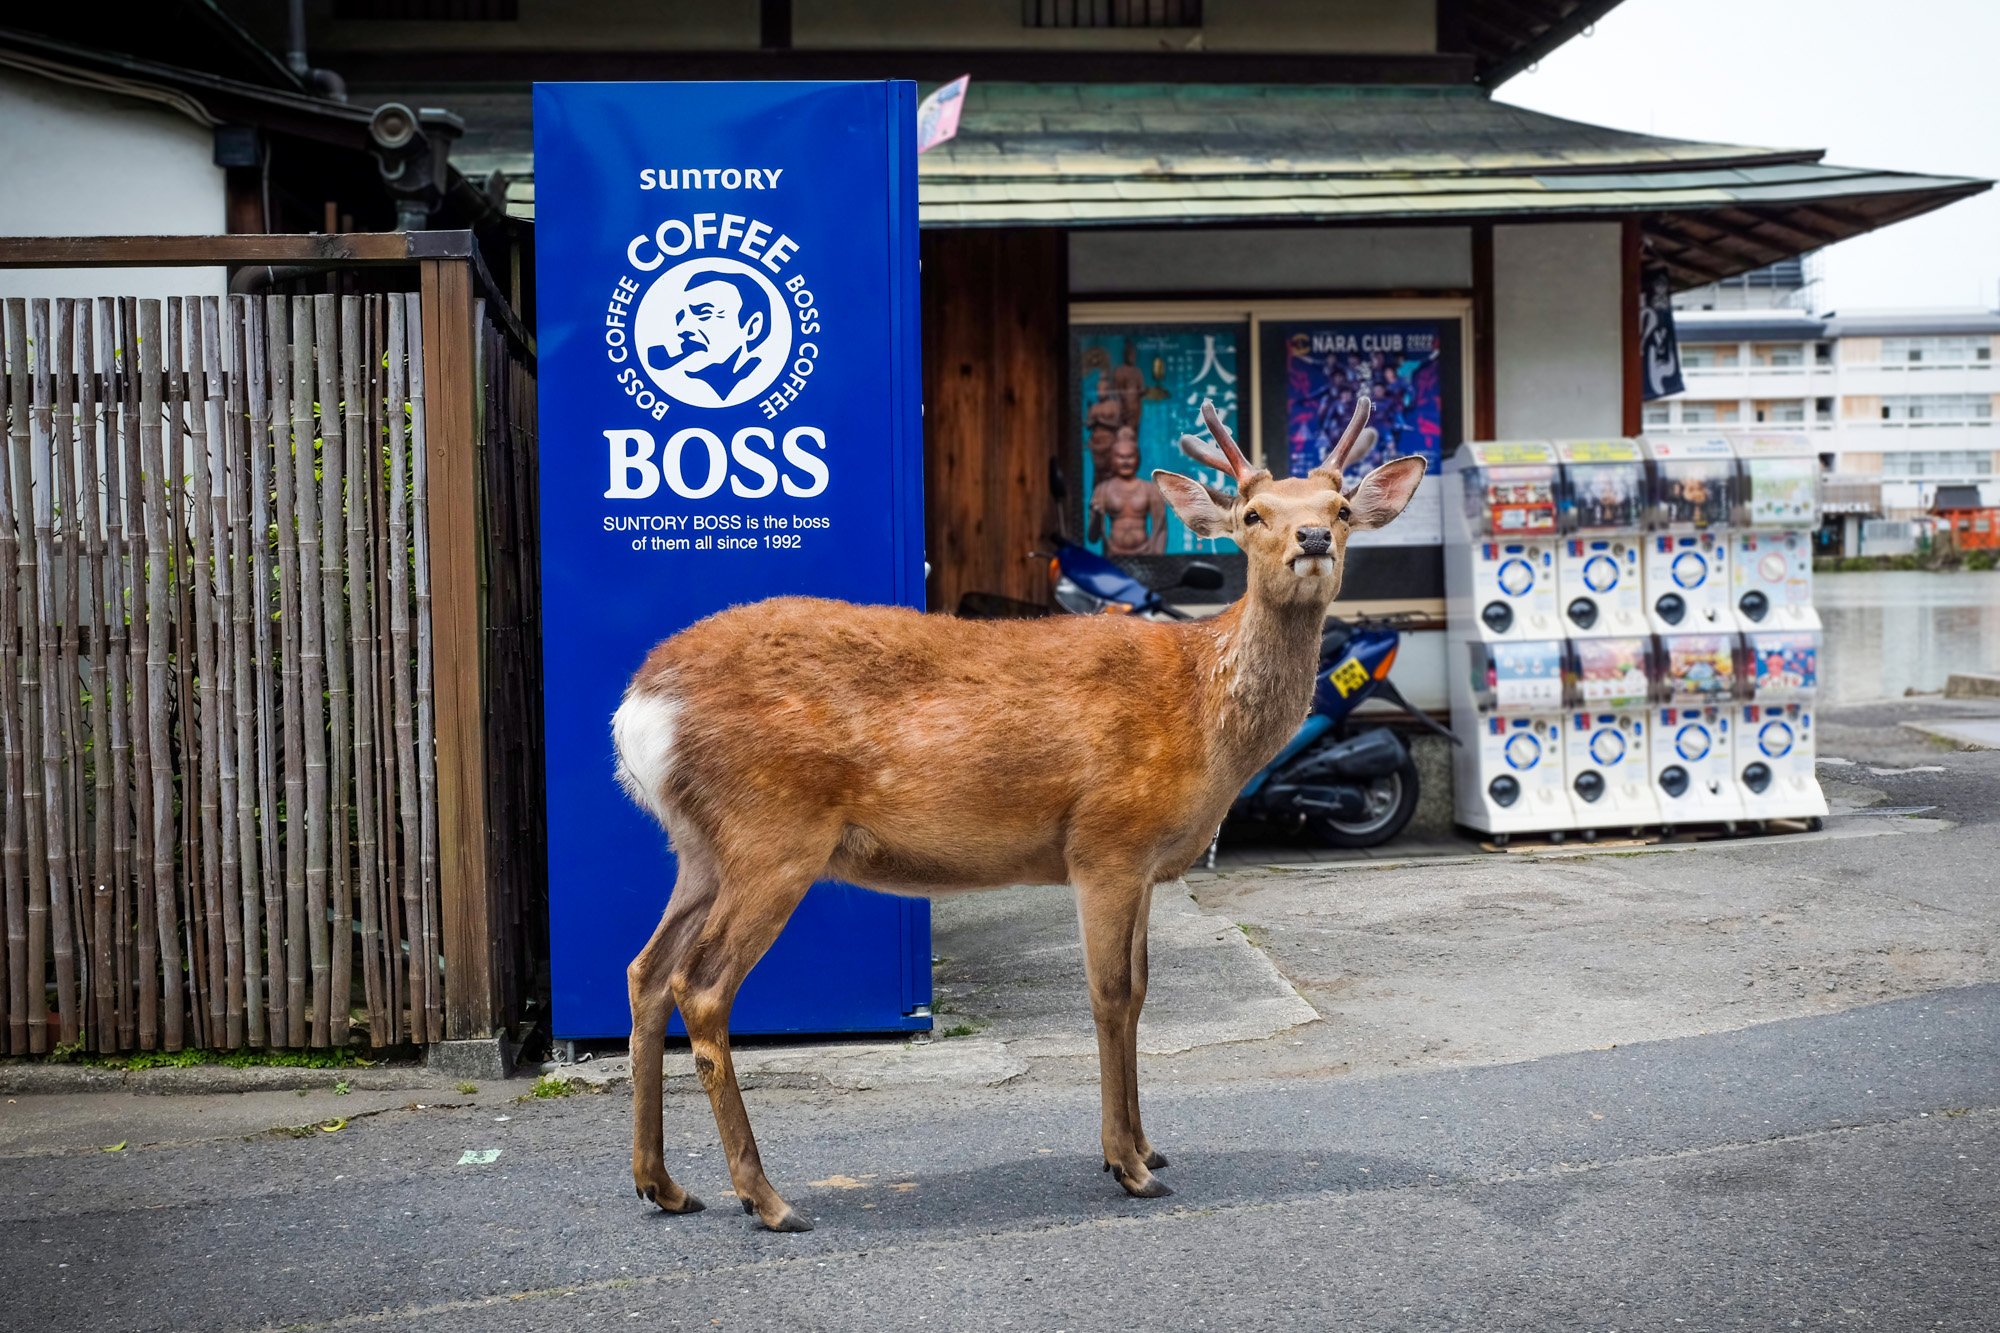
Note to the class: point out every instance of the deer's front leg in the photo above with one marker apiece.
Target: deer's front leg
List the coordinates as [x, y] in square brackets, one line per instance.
[1150, 1155]
[1111, 909]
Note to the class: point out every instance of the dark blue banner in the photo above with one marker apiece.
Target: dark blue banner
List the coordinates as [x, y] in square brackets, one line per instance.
[730, 410]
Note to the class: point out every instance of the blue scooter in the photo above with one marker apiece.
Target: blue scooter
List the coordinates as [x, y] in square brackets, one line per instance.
[1347, 787]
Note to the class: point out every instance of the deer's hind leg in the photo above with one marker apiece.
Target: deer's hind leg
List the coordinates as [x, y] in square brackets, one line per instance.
[648, 982]
[758, 890]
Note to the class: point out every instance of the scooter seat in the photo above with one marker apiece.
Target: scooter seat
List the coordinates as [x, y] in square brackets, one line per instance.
[1333, 640]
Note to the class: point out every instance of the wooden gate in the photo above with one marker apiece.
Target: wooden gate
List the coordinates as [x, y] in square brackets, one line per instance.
[270, 691]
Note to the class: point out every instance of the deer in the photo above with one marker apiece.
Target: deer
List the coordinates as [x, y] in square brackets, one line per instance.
[793, 740]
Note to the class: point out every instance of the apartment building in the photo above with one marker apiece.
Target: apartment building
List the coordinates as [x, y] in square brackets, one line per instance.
[1901, 402]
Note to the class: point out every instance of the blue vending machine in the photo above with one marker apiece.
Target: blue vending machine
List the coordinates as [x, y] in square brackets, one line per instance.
[730, 410]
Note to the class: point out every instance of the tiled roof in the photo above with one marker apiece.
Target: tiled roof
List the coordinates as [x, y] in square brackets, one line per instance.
[1121, 155]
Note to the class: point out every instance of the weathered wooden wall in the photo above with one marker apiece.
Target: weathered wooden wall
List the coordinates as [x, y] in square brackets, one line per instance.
[996, 380]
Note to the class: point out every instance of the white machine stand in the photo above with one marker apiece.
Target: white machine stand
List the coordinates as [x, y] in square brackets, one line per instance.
[1601, 514]
[1770, 558]
[1610, 684]
[1694, 778]
[1775, 748]
[1692, 489]
[1500, 541]
[1506, 709]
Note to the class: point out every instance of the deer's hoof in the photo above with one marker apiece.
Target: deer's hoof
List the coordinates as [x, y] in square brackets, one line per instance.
[1155, 1160]
[1148, 1189]
[688, 1203]
[789, 1221]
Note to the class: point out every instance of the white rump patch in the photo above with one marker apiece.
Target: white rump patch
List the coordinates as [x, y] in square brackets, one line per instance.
[642, 732]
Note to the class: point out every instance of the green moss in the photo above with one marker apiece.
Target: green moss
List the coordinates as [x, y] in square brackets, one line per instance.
[339, 1058]
[550, 1085]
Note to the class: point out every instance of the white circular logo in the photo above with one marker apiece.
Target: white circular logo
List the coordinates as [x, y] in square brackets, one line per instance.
[1689, 569]
[1523, 751]
[712, 332]
[1516, 576]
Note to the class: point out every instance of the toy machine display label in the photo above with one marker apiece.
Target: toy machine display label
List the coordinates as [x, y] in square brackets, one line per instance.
[1511, 453]
[1784, 663]
[1690, 447]
[1599, 451]
[1527, 676]
[1611, 672]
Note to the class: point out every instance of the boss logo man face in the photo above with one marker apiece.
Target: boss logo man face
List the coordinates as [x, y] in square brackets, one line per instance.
[719, 326]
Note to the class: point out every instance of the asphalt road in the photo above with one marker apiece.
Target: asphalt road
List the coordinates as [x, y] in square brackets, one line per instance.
[1826, 1172]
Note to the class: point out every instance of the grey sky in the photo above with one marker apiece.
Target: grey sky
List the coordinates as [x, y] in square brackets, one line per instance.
[1907, 86]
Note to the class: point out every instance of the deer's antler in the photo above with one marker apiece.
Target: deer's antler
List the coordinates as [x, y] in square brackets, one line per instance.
[1222, 455]
[1355, 442]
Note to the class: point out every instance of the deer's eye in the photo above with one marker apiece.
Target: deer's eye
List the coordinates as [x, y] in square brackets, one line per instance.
[1251, 518]
[1346, 514]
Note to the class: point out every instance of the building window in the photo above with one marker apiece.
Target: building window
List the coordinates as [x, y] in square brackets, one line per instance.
[1111, 13]
[1707, 356]
[1939, 464]
[1658, 418]
[1937, 351]
[1823, 354]
[1790, 411]
[1785, 356]
[1823, 409]
[1707, 414]
[1935, 409]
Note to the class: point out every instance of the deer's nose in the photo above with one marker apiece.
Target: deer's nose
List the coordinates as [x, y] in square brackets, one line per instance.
[1315, 541]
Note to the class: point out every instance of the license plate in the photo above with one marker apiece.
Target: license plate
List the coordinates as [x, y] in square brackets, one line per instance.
[1349, 676]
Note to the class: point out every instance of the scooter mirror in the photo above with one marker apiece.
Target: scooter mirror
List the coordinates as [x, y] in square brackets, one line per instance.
[1201, 576]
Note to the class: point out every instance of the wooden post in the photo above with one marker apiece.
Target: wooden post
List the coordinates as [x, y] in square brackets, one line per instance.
[1484, 412]
[450, 370]
[1630, 278]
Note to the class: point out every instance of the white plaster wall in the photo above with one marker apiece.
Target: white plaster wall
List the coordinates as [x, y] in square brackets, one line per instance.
[77, 162]
[1277, 261]
[1558, 348]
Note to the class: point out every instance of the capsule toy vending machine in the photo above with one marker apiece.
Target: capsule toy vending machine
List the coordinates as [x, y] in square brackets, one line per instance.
[1776, 749]
[1770, 560]
[1500, 541]
[1691, 749]
[1507, 711]
[1601, 514]
[1605, 750]
[1691, 484]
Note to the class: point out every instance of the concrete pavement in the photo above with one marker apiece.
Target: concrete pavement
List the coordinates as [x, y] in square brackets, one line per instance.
[1837, 1171]
[1744, 1085]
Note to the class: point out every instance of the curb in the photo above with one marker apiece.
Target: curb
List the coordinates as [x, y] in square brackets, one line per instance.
[200, 1079]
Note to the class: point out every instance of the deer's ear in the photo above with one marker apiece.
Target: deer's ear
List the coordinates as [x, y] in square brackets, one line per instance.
[1383, 492]
[1195, 503]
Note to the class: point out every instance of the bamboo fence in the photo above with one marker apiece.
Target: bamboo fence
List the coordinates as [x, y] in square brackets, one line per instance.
[218, 759]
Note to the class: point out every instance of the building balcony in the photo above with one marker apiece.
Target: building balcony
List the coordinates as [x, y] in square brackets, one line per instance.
[1729, 427]
[1889, 380]
[1730, 383]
